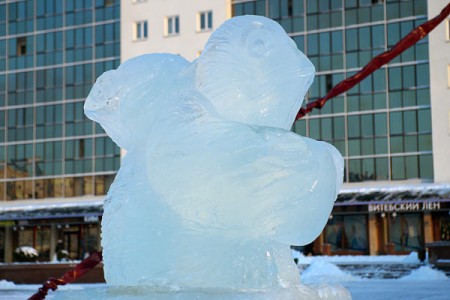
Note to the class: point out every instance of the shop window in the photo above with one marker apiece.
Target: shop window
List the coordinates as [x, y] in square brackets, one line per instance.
[28, 238]
[73, 242]
[347, 234]
[90, 241]
[405, 232]
[70, 236]
[42, 242]
[444, 228]
[2, 244]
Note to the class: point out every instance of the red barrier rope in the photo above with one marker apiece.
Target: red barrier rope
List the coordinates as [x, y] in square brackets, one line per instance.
[412, 38]
[83, 267]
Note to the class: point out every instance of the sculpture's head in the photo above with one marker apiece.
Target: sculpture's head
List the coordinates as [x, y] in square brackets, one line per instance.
[253, 73]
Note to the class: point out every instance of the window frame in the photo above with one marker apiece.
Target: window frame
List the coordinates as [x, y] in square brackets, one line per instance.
[208, 21]
[21, 45]
[172, 25]
[140, 30]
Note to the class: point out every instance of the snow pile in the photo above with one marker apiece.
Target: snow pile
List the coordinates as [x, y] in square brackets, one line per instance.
[26, 254]
[325, 272]
[6, 285]
[412, 258]
[425, 273]
[299, 256]
[27, 250]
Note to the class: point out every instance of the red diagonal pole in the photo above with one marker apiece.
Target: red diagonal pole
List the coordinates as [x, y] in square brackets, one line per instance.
[412, 38]
[83, 267]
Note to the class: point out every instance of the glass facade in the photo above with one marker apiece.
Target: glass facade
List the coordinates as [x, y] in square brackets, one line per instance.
[347, 233]
[72, 241]
[405, 232]
[382, 126]
[51, 52]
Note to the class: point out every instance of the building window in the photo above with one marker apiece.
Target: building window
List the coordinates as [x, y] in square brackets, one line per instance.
[329, 82]
[405, 232]
[140, 30]
[290, 8]
[205, 20]
[21, 46]
[172, 25]
[109, 2]
[347, 234]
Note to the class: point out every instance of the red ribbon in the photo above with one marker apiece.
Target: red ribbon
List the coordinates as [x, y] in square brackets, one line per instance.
[412, 38]
[83, 267]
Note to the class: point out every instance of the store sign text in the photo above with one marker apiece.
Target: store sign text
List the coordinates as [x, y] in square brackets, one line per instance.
[398, 207]
[91, 219]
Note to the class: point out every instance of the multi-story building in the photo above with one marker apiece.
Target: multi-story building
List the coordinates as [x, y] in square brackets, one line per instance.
[54, 162]
[169, 26]
[57, 165]
[392, 129]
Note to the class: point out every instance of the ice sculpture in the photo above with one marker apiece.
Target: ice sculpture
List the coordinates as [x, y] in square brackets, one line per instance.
[214, 186]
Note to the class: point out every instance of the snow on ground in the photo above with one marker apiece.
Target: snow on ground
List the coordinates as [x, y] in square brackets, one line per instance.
[425, 273]
[412, 258]
[422, 283]
[325, 272]
[399, 289]
[4, 284]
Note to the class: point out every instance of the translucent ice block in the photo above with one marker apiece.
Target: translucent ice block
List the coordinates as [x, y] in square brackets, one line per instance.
[214, 186]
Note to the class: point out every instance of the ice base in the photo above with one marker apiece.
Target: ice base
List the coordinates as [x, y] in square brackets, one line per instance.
[300, 292]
